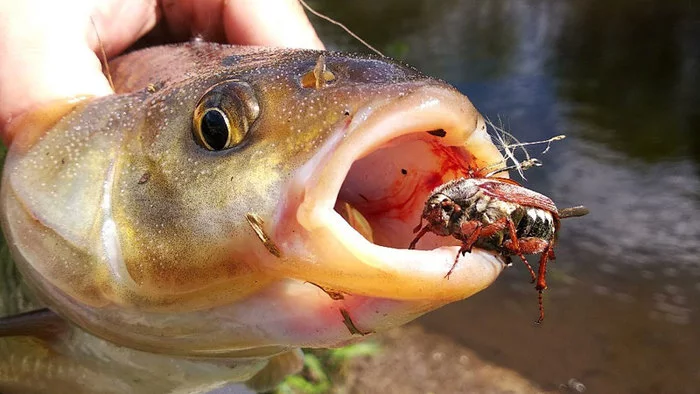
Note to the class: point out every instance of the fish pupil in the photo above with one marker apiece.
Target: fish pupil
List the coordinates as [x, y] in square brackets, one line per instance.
[215, 129]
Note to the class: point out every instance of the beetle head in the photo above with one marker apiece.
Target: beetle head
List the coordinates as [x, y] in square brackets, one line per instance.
[438, 211]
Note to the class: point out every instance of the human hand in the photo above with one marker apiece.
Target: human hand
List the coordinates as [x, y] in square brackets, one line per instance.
[50, 51]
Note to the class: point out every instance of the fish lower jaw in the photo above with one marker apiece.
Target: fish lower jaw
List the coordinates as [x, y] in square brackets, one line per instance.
[401, 273]
[365, 192]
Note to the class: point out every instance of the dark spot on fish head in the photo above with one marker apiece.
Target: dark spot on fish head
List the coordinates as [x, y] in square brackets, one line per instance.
[144, 178]
[231, 60]
[404, 171]
[438, 133]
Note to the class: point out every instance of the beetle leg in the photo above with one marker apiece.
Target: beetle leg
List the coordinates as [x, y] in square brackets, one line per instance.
[493, 228]
[514, 246]
[542, 269]
[474, 227]
[418, 227]
[419, 236]
[541, 279]
[532, 245]
[447, 275]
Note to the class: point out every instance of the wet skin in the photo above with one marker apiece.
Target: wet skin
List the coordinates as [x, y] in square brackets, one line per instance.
[130, 224]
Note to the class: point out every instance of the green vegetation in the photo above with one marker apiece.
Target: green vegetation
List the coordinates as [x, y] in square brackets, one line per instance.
[326, 369]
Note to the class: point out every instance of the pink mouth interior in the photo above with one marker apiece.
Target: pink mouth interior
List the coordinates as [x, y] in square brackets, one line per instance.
[389, 186]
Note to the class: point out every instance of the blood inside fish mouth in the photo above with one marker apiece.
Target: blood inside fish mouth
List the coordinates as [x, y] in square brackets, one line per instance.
[383, 194]
[377, 173]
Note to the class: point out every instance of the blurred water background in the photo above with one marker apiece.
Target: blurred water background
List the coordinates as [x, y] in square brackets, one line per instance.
[621, 78]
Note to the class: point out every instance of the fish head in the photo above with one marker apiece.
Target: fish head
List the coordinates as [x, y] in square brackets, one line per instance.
[244, 201]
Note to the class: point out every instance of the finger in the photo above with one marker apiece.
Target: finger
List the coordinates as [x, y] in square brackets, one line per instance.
[280, 23]
[188, 18]
[48, 49]
[120, 23]
[269, 22]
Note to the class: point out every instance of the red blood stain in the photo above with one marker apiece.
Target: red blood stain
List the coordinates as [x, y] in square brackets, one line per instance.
[401, 196]
[455, 160]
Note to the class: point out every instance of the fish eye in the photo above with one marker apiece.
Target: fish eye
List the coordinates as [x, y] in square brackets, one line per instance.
[215, 129]
[224, 115]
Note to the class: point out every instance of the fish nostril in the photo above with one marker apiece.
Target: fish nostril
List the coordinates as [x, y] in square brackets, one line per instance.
[319, 76]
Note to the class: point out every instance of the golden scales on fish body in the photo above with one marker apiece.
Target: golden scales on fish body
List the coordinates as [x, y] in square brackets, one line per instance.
[137, 218]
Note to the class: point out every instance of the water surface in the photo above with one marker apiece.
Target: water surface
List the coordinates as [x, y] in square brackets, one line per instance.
[622, 80]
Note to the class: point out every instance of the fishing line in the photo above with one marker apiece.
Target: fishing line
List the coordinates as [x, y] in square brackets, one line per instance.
[342, 26]
[104, 54]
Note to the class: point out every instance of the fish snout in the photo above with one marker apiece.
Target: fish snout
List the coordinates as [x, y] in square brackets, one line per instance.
[360, 197]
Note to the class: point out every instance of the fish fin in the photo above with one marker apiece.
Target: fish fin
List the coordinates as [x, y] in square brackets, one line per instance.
[41, 323]
[276, 370]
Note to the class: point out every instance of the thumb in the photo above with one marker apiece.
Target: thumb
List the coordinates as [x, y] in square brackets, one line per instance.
[47, 53]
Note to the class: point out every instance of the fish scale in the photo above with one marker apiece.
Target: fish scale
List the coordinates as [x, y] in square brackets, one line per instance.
[173, 252]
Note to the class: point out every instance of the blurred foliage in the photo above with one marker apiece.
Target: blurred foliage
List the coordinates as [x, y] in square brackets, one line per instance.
[326, 369]
[397, 50]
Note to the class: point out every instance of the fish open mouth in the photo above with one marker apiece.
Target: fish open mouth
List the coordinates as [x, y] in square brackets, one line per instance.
[365, 191]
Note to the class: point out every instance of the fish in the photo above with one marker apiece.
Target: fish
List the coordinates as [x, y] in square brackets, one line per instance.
[227, 206]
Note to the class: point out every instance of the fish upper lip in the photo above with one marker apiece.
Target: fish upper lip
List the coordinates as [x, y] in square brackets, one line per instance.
[352, 264]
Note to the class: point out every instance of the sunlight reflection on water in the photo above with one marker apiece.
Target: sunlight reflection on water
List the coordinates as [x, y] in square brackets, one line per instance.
[621, 79]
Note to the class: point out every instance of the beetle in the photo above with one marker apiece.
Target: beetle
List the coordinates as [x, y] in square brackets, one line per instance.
[496, 214]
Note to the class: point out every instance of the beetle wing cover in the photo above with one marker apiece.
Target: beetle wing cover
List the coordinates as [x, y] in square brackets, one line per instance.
[514, 193]
[506, 180]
